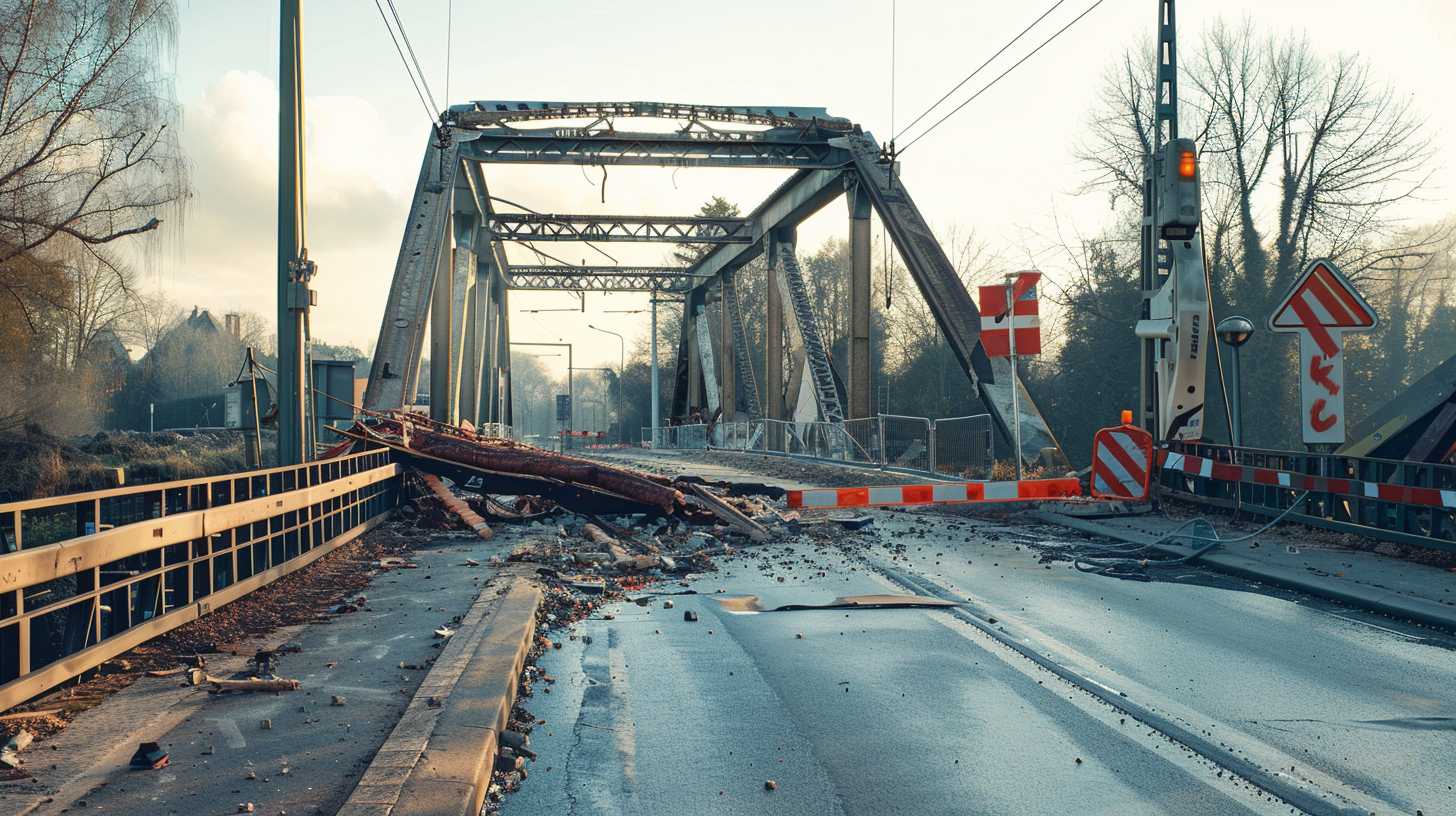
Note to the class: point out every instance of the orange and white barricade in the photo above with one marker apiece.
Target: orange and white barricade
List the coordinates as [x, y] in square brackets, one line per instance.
[830, 498]
[1122, 462]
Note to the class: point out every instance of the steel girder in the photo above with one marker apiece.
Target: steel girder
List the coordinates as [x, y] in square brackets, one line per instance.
[394, 372]
[496, 112]
[779, 147]
[944, 292]
[805, 193]
[602, 278]
[557, 227]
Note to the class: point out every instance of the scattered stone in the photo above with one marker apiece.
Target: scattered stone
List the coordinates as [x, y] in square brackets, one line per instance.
[770, 785]
[149, 755]
[690, 616]
[338, 700]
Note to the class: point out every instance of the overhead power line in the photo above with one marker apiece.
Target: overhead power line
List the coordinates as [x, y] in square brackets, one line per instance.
[387, 27]
[404, 35]
[1003, 74]
[978, 70]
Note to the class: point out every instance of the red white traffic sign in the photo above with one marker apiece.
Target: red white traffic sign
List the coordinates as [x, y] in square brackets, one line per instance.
[997, 322]
[1320, 307]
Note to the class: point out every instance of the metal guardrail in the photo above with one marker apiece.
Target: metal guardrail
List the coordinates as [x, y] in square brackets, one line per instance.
[87, 576]
[958, 447]
[1382, 518]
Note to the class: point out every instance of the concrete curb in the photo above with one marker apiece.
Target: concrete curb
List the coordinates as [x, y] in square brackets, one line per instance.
[438, 759]
[1376, 599]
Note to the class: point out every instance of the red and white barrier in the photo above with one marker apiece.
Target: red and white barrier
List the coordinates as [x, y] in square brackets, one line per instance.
[1224, 472]
[1122, 462]
[829, 498]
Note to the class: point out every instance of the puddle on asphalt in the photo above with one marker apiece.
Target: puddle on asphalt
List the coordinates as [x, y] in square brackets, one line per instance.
[752, 605]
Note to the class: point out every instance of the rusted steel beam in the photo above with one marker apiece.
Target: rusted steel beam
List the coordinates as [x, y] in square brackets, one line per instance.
[508, 467]
[458, 507]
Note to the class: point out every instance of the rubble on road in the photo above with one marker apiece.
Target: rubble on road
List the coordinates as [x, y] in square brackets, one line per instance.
[10, 753]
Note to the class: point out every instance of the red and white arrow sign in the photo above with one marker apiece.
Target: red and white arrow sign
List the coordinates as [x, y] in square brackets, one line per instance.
[1321, 306]
[997, 320]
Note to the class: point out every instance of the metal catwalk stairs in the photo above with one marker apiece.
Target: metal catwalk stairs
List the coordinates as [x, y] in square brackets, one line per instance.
[817, 359]
[743, 360]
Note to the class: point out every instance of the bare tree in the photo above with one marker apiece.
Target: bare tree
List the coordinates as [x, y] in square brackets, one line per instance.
[151, 317]
[99, 298]
[86, 150]
[1331, 146]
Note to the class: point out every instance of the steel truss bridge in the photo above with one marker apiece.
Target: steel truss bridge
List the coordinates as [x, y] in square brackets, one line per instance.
[452, 270]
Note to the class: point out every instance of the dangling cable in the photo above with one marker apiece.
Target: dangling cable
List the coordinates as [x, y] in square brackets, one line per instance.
[449, 40]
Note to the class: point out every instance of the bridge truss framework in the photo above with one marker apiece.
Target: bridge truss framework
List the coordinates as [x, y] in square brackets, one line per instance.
[453, 272]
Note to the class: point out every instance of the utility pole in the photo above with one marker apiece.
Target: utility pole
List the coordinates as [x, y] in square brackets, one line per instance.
[295, 270]
[656, 385]
[1015, 386]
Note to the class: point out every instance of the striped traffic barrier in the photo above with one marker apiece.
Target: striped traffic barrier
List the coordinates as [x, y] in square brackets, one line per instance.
[1122, 462]
[829, 498]
[1190, 465]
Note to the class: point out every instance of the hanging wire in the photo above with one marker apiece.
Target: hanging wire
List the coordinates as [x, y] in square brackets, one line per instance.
[972, 74]
[449, 41]
[383, 17]
[413, 58]
[988, 86]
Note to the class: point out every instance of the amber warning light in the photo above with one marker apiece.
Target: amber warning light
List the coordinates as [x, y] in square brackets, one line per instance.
[1187, 164]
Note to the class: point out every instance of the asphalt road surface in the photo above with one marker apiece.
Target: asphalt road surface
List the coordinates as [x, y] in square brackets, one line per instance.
[929, 711]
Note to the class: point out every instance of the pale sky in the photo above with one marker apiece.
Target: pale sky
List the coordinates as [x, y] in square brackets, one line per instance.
[1002, 166]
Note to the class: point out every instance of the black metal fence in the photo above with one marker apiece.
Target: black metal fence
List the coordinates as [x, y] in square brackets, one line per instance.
[85, 577]
[1404, 502]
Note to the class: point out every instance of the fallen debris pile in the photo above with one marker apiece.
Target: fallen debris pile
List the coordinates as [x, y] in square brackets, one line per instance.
[544, 482]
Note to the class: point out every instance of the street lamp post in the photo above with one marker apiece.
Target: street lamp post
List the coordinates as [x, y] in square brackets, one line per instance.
[621, 372]
[1235, 331]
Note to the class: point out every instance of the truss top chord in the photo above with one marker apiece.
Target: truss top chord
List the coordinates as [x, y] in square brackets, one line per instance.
[496, 112]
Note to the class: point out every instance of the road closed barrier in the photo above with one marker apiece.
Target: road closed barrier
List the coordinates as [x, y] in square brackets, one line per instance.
[829, 498]
[1122, 462]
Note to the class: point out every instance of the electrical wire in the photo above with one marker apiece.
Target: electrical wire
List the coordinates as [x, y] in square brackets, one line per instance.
[1121, 561]
[449, 42]
[410, 47]
[988, 86]
[969, 76]
[428, 113]
[894, 14]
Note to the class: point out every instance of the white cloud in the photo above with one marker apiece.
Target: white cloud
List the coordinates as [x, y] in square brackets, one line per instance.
[357, 201]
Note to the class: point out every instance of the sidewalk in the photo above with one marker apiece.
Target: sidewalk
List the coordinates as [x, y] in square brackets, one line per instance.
[1303, 559]
[300, 751]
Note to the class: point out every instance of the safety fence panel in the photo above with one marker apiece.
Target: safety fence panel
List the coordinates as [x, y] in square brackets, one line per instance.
[906, 442]
[678, 437]
[964, 447]
[865, 435]
[87, 576]
[734, 435]
[1405, 502]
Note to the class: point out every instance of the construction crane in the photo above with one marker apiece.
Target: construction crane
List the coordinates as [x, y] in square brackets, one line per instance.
[1174, 322]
